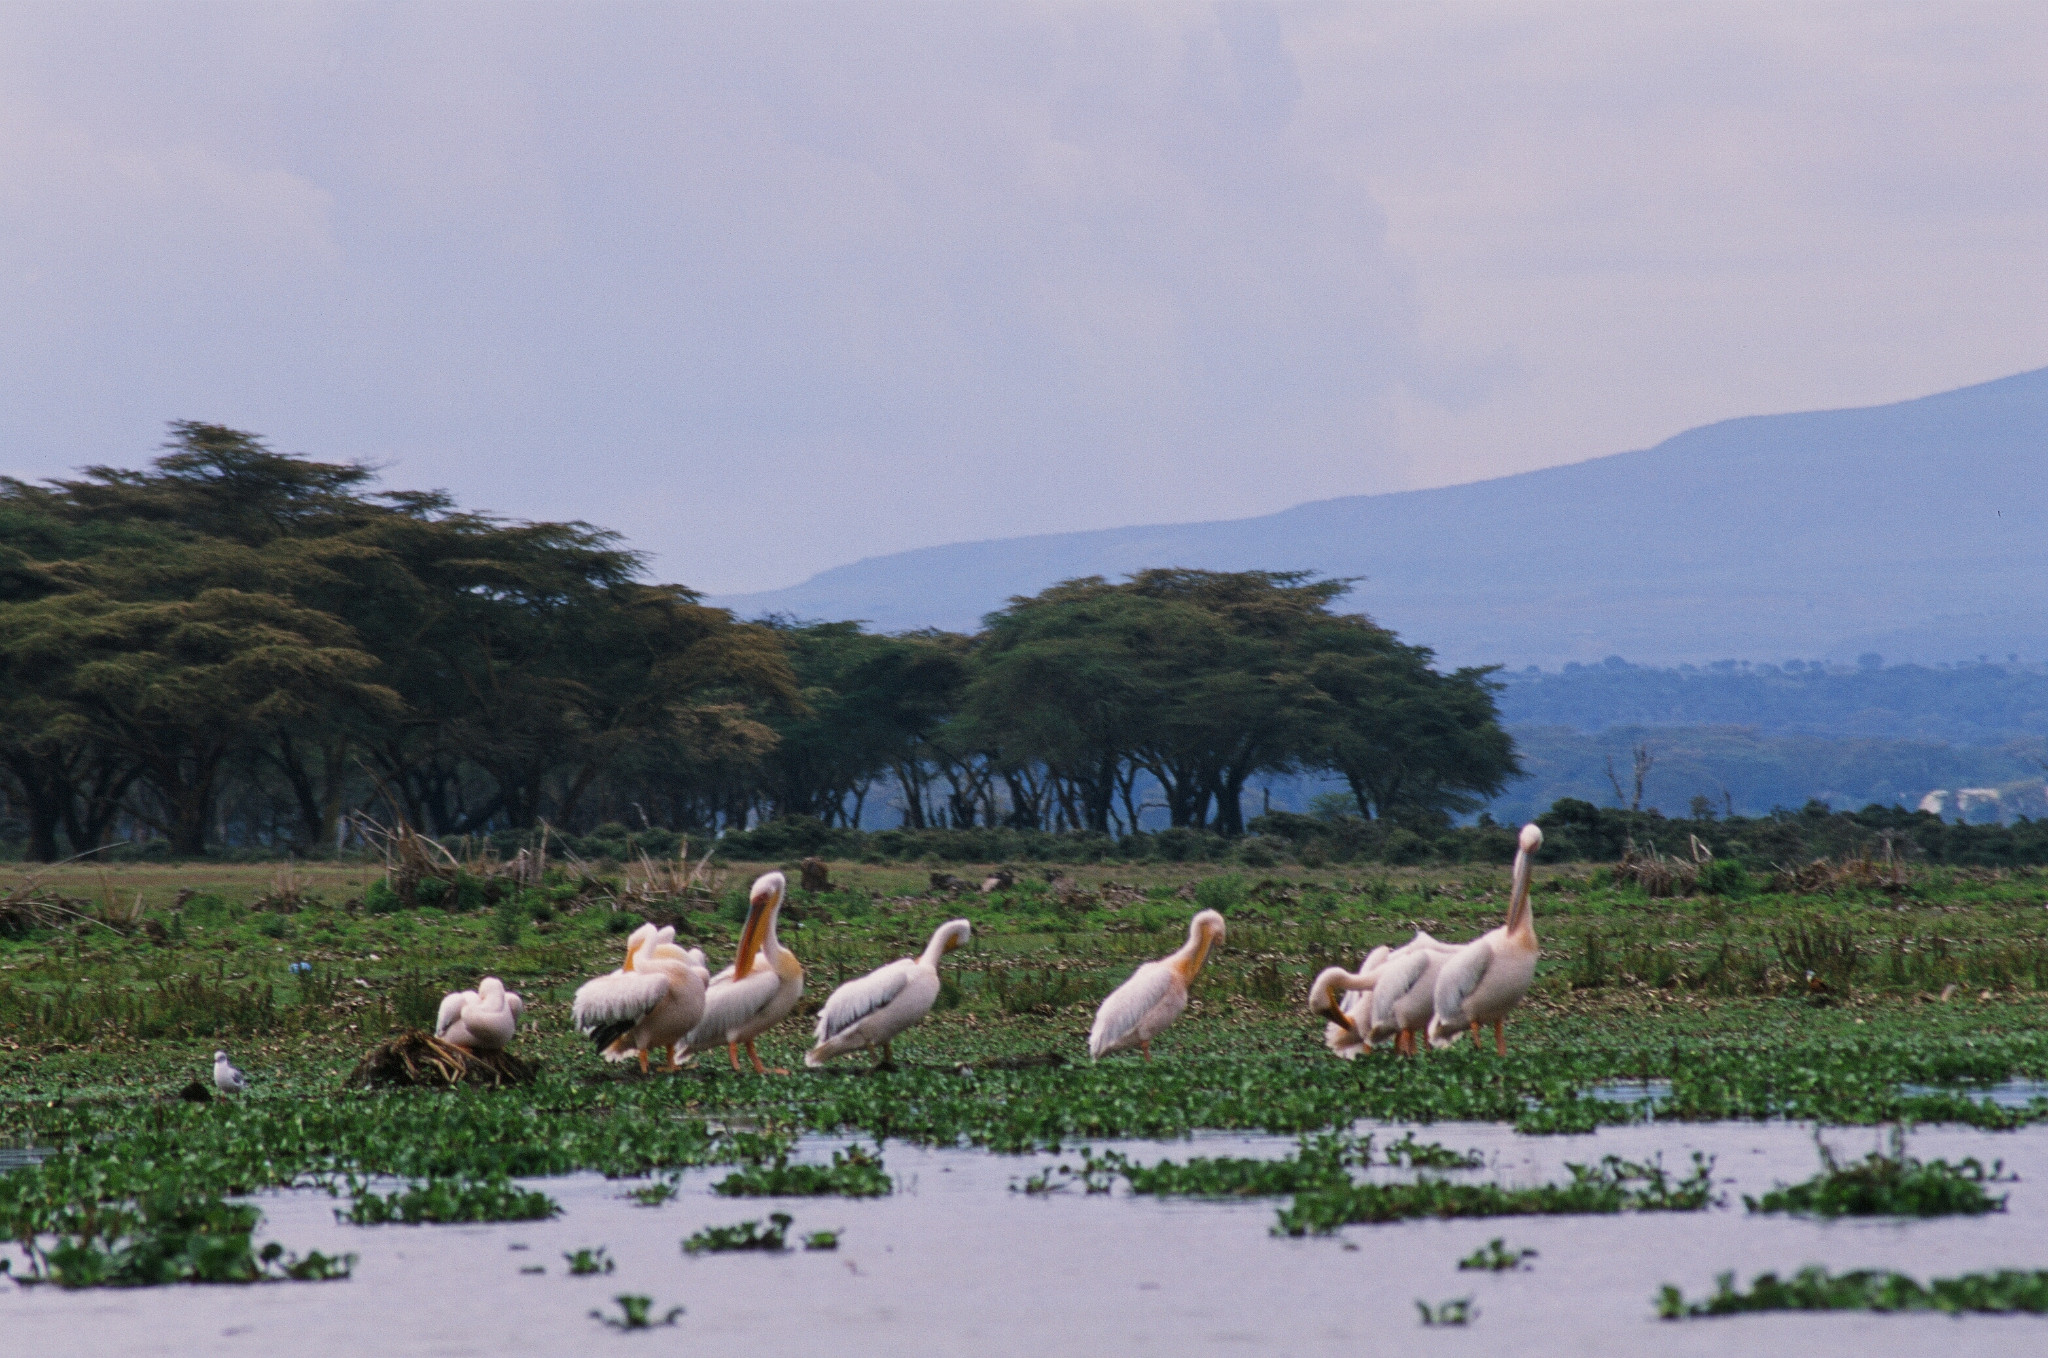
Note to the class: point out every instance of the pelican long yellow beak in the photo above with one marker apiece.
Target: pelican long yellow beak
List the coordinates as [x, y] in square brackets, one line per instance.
[763, 902]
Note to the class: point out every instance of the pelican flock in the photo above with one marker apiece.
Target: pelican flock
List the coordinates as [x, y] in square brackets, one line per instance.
[662, 998]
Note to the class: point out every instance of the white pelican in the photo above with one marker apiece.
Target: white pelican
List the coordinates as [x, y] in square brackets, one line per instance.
[1139, 1010]
[761, 986]
[1403, 996]
[1488, 977]
[1345, 1032]
[226, 1078]
[650, 1002]
[879, 1007]
[480, 1020]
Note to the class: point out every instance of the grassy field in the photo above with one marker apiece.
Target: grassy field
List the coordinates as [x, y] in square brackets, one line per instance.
[1868, 1005]
[154, 966]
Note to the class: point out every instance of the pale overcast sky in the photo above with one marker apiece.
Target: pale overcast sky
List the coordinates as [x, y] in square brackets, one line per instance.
[770, 287]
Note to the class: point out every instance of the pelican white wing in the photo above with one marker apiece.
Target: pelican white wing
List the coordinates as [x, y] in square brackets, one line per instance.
[620, 997]
[858, 998]
[729, 1004]
[1397, 979]
[451, 1011]
[1116, 1022]
[1460, 977]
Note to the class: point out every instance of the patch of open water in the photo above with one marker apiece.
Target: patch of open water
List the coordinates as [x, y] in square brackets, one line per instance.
[955, 1263]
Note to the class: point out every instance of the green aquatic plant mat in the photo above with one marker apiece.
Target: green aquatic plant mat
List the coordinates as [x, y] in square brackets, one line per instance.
[1456, 1311]
[448, 1200]
[585, 1262]
[1815, 1289]
[853, 1173]
[635, 1313]
[164, 1237]
[745, 1235]
[1319, 1161]
[1495, 1257]
[1887, 1183]
[1613, 1185]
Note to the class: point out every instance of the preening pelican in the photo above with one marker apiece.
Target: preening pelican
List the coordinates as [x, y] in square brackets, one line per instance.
[226, 1078]
[1345, 1033]
[1488, 977]
[480, 1020]
[1403, 996]
[761, 986]
[876, 1009]
[649, 1003]
[1140, 1009]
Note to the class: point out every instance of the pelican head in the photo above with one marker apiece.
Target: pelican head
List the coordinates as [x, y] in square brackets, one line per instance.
[490, 988]
[763, 900]
[947, 937]
[1323, 1002]
[219, 1057]
[1205, 931]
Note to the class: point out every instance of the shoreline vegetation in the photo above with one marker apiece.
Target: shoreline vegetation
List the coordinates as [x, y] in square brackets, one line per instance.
[1914, 995]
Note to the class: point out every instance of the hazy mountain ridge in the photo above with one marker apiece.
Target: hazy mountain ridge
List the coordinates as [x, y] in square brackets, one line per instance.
[1970, 704]
[1915, 528]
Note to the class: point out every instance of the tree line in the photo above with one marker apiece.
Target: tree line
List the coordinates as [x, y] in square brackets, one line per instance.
[239, 647]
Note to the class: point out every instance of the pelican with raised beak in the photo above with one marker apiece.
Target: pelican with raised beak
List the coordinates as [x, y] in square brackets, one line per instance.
[761, 986]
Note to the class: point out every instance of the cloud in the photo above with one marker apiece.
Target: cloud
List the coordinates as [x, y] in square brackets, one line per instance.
[773, 287]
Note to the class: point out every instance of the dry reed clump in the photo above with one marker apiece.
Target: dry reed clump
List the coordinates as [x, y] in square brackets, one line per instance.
[290, 891]
[1659, 876]
[417, 1061]
[660, 890]
[1821, 877]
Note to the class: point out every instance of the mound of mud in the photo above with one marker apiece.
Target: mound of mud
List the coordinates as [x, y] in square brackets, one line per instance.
[417, 1061]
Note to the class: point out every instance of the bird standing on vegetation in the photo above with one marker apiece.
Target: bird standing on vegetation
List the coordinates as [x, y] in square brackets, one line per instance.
[480, 1020]
[1344, 1034]
[761, 986]
[649, 1003]
[1140, 1009]
[1404, 995]
[226, 1078]
[878, 1007]
[1489, 976]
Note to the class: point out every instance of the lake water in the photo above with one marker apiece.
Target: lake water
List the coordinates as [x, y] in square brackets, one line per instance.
[955, 1263]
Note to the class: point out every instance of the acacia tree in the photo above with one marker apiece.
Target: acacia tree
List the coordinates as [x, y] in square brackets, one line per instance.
[1412, 742]
[867, 702]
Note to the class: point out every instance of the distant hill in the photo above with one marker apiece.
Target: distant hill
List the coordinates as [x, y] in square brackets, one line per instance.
[1967, 704]
[1918, 530]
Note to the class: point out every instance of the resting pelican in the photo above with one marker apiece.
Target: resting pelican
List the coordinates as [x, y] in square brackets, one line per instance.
[1488, 977]
[1345, 1033]
[879, 1007]
[1403, 997]
[480, 1020]
[651, 1002]
[761, 986]
[1140, 1009]
[226, 1078]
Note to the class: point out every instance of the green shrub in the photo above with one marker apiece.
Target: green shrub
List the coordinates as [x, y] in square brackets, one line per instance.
[380, 899]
